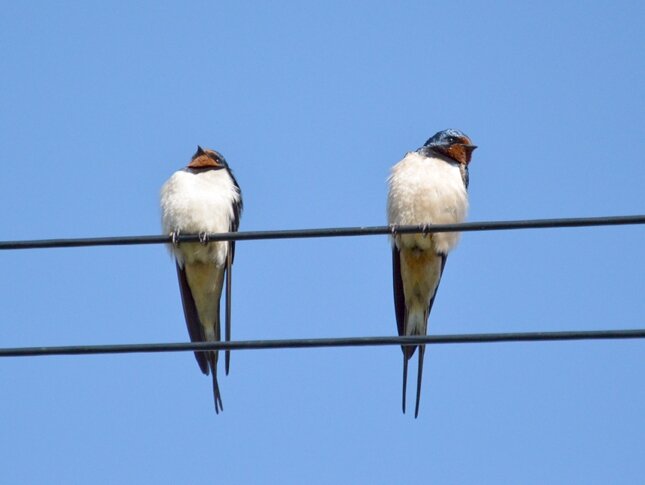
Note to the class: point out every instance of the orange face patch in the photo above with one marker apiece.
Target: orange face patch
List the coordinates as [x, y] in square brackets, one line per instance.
[460, 153]
[203, 161]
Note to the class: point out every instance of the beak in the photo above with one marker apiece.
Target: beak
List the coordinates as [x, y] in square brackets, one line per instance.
[470, 147]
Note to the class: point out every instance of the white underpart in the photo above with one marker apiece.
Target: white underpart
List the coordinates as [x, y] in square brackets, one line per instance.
[424, 190]
[196, 202]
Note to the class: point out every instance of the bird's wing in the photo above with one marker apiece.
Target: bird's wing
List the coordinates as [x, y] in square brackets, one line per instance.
[399, 310]
[399, 297]
[192, 318]
[238, 206]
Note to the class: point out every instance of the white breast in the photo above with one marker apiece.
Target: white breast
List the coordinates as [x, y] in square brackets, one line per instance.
[426, 190]
[194, 202]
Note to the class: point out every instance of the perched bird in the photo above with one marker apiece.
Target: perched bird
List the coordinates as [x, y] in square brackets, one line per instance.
[428, 186]
[203, 198]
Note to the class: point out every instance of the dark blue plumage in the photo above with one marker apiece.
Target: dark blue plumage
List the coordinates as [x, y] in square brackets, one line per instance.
[445, 138]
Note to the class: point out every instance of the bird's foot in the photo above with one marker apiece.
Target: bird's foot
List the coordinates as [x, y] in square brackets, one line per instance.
[393, 230]
[203, 238]
[426, 230]
[174, 238]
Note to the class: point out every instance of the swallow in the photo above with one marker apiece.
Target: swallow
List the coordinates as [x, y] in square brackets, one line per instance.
[203, 198]
[428, 186]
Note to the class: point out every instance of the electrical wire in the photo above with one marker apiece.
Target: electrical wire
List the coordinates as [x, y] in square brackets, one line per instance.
[324, 342]
[329, 232]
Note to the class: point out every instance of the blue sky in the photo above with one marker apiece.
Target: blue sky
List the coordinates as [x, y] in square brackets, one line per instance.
[312, 103]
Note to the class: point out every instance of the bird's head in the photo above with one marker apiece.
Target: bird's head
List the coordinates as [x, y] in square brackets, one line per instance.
[453, 144]
[207, 159]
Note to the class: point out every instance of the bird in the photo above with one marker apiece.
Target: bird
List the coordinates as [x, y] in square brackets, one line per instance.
[202, 198]
[428, 186]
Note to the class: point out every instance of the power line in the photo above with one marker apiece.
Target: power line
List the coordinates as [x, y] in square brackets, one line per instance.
[327, 342]
[324, 342]
[329, 232]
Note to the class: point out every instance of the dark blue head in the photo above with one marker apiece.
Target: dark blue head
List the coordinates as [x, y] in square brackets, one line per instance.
[207, 159]
[453, 144]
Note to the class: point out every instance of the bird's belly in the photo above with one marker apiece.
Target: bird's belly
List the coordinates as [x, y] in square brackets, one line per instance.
[427, 191]
[199, 214]
[199, 218]
[423, 208]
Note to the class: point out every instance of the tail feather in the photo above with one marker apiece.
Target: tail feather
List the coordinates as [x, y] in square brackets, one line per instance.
[405, 378]
[422, 350]
[408, 352]
[217, 397]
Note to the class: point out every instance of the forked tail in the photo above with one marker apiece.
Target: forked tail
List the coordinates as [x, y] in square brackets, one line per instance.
[407, 354]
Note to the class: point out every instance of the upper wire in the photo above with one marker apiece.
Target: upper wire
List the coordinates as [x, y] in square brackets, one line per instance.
[329, 232]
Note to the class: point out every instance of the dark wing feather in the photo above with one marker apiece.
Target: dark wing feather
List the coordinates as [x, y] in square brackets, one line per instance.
[229, 282]
[399, 310]
[238, 207]
[399, 298]
[192, 318]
